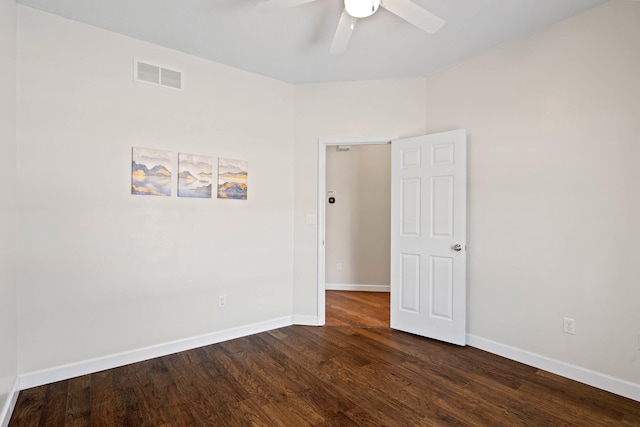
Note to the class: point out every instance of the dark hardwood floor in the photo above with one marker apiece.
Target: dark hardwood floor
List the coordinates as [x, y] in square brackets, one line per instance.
[352, 308]
[312, 376]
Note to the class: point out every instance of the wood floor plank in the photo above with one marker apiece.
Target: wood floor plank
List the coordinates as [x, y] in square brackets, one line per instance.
[331, 376]
[78, 412]
[31, 401]
[293, 412]
[54, 410]
[101, 396]
[254, 415]
[127, 405]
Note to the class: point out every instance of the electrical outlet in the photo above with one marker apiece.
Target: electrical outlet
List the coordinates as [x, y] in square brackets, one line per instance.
[569, 325]
[311, 219]
[339, 266]
[222, 300]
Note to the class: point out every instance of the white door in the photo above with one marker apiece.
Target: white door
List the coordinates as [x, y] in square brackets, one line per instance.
[428, 235]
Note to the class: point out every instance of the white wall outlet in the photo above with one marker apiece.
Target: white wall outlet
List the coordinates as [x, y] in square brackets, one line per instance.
[311, 219]
[222, 300]
[569, 325]
[339, 266]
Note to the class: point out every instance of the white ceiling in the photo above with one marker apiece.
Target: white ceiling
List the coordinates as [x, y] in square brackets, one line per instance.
[292, 44]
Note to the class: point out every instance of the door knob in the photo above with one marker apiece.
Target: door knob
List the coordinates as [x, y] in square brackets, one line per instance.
[457, 247]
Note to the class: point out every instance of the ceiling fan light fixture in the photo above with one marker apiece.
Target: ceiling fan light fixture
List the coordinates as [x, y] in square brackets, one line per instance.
[361, 8]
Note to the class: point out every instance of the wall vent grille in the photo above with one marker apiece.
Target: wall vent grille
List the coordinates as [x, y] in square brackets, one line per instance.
[146, 72]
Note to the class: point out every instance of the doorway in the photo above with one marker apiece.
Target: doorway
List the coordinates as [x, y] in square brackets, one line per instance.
[353, 232]
[428, 233]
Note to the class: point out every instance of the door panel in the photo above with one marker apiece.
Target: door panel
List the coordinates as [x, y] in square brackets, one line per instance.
[410, 207]
[442, 206]
[428, 276]
[440, 285]
[410, 282]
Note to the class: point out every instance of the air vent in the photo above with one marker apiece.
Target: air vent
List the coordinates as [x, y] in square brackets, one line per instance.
[156, 74]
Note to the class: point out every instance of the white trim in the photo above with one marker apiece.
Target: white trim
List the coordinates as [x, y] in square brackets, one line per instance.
[10, 404]
[72, 370]
[323, 143]
[567, 370]
[353, 287]
[322, 189]
[306, 320]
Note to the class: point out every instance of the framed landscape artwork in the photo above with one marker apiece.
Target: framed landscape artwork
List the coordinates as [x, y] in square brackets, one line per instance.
[233, 176]
[195, 175]
[150, 172]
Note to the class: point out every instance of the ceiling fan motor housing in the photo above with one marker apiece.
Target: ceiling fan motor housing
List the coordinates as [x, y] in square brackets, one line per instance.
[361, 8]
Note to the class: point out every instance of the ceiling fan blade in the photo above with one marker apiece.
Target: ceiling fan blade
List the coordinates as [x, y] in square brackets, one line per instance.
[414, 14]
[343, 33]
[271, 5]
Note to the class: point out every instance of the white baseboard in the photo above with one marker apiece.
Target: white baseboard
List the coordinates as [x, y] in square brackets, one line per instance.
[59, 373]
[7, 409]
[305, 320]
[350, 287]
[34, 379]
[576, 373]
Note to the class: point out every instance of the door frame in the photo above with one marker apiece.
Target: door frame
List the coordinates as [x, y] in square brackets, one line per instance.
[323, 143]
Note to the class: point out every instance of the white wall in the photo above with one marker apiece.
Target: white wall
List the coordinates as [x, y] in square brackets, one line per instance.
[358, 225]
[366, 110]
[102, 271]
[554, 187]
[8, 219]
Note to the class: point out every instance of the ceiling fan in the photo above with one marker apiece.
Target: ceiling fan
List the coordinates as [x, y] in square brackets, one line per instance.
[356, 9]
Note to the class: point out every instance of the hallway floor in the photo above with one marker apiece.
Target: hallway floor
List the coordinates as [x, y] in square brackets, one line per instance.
[354, 308]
